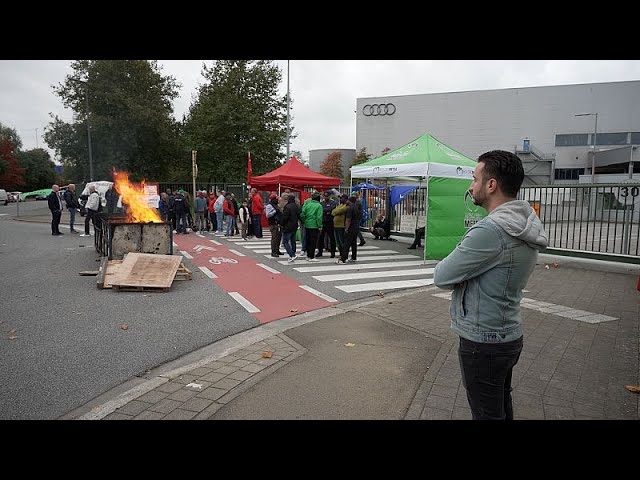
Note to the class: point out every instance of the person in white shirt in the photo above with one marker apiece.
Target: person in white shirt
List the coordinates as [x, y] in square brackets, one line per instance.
[92, 206]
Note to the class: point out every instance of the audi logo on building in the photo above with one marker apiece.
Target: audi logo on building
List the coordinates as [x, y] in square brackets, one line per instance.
[378, 109]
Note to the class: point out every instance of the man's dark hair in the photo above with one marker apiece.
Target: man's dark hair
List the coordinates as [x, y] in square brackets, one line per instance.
[506, 168]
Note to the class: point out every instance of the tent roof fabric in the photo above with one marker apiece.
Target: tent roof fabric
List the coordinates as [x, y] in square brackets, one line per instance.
[294, 174]
[424, 156]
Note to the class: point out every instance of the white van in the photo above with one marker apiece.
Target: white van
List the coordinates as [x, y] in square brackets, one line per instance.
[4, 197]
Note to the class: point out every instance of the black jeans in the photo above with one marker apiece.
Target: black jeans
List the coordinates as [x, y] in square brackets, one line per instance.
[486, 375]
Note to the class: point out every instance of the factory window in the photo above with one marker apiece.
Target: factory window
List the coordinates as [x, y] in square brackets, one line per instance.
[618, 138]
[568, 173]
[572, 140]
[635, 138]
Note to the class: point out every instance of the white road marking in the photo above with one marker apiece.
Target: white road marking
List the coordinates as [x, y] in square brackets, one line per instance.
[208, 272]
[363, 287]
[356, 266]
[317, 293]
[186, 255]
[268, 250]
[175, 244]
[200, 235]
[553, 309]
[235, 252]
[267, 268]
[360, 259]
[215, 243]
[363, 275]
[248, 306]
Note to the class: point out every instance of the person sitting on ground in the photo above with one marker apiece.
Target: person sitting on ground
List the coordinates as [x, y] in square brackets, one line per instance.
[416, 241]
[381, 230]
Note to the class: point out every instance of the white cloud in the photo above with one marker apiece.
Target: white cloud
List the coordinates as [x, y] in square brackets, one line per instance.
[324, 92]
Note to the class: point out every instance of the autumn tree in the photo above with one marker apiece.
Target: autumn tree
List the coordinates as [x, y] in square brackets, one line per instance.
[237, 109]
[360, 157]
[128, 104]
[9, 134]
[13, 175]
[332, 165]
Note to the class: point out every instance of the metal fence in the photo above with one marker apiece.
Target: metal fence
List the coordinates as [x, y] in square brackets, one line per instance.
[603, 218]
[589, 218]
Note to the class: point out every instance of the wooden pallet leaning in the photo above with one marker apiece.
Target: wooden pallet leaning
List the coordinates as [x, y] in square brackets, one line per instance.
[183, 273]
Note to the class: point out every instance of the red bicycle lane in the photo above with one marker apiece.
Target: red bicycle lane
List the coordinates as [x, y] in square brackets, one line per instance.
[275, 295]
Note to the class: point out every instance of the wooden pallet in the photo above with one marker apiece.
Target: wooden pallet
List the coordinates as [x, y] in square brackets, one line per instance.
[139, 288]
[183, 273]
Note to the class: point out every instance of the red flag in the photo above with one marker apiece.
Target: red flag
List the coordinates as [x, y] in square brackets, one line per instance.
[249, 170]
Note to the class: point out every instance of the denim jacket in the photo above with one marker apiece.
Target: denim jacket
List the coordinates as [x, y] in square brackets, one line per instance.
[488, 270]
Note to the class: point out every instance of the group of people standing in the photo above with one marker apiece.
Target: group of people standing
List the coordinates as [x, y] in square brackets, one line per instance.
[327, 221]
[92, 206]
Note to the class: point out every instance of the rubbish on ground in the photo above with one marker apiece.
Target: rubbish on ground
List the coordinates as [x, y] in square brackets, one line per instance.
[633, 388]
[349, 344]
[124, 326]
[267, 354]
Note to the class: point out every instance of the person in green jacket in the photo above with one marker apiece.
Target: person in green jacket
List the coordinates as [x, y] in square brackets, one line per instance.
[311, 217]
[338, 221]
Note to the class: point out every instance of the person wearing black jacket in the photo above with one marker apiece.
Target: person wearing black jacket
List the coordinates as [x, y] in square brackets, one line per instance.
[327, 225]
[55, 205]
[181, 206]
[289, 224]
[72, 205]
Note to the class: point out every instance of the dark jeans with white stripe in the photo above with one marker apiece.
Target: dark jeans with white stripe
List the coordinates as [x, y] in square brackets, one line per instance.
[486, 375]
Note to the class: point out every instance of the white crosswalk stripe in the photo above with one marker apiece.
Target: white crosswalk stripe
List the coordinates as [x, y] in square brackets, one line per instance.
[373, 271]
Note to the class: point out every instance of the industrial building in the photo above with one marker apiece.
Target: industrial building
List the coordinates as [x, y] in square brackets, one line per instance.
[552, 129]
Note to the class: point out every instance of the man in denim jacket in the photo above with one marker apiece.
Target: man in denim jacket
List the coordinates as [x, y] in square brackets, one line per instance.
[487, 272]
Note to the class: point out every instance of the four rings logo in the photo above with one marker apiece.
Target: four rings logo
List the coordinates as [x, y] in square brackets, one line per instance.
[378, 109]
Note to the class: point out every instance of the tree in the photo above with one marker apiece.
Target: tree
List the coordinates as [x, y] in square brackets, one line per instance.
[237, 110]
[12, 177]
[332, 165]
[9, 134]
[40, 171]
[360, 157]
[297, 154]
[130, 116]
[385, 150]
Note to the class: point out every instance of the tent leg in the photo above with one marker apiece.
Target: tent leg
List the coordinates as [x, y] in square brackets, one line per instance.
[426, 210]
[279, 194]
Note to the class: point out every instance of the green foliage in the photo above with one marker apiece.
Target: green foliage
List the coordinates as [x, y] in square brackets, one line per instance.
[40, 171]
[237, 110]
[332, 165]
[129, 107]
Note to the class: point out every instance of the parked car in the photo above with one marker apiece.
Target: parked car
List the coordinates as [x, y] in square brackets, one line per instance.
[14, 197]
[4, 197]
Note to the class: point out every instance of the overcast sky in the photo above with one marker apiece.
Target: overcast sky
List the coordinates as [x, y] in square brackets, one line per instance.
[323, 92]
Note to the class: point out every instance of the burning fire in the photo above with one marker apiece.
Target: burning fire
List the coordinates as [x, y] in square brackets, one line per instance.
[135, 199]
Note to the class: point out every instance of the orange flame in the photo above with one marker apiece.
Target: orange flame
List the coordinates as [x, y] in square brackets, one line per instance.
[133, 196]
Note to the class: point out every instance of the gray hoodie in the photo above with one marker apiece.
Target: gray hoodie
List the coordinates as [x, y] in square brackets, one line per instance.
[488, 270]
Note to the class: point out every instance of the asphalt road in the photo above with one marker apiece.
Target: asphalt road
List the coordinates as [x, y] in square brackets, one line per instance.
[69, 346]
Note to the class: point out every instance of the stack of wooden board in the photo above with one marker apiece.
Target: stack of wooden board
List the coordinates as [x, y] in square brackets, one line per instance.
[142, 272]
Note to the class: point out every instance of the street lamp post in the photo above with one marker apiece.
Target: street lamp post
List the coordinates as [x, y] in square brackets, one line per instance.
[86, 97]
[595, 135]
[288, 108]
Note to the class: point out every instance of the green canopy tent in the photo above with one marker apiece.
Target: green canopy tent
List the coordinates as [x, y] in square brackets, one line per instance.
[36, 193]
[447, 173]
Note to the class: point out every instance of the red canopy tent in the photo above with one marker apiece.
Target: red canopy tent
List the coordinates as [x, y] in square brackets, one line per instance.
[293, 175]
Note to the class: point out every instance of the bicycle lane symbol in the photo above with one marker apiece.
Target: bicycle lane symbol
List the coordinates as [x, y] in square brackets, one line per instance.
[220, 260]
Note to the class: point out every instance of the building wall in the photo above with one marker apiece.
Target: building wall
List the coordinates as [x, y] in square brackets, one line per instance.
[474, 122]
[316, 157]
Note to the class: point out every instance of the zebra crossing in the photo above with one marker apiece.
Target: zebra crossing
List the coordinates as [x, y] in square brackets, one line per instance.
[375, 267]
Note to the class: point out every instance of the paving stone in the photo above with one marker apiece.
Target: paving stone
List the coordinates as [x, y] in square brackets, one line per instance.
[240, 363]
[227, 369]
[133, 408]
[184, 379]
[430, 413]
[182, 395]
[201, 371]
[226, 383]
[179, 414]
[165, 406]
[149, 415]
[253, 368]
[170, 387]
[196, 404]
[441, 403]
[240, 375]
[212, 393]
[154, 396]
[214, 377]
[117, 416]
[208, 412]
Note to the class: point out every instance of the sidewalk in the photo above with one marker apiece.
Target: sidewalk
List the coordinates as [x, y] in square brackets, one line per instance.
[394, 357]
